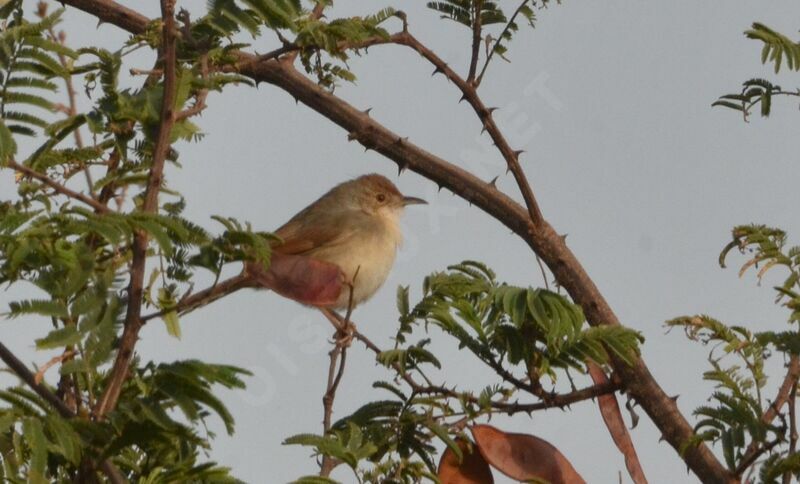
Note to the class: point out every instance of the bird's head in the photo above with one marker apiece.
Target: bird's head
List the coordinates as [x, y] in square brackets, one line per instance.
[376, 195]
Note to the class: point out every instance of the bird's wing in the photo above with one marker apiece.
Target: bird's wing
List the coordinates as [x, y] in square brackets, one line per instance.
[302, 238]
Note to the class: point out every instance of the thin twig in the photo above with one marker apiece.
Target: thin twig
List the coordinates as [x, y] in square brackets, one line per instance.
[554, 400]
[750, 458]
[754, 450]
[273, 54]
[477, 6]
[39, 376]
[22, 371]
[190, 302]
[319, 9]
[133, 323]
[784, 392]
[72, 109]
[337, 354]
[56, 186]
[338, 357]
[787, 477]
[497, 42]
[544, 272]
[201, 96]
[316, 14]
[144, 72]
[107, 192]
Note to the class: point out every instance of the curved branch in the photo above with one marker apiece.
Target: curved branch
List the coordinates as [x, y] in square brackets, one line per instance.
[470, 94]
[541, 237]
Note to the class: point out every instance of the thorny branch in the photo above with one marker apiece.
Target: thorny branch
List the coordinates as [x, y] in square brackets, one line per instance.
[528, 224]
[470, 94]
[133, 321]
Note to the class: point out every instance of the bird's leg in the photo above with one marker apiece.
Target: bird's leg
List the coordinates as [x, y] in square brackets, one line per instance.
[344, 332]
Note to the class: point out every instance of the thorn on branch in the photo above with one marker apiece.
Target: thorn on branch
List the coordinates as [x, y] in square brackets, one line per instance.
[366, 111]
[493, 183]
[518, 153]
[437, 71]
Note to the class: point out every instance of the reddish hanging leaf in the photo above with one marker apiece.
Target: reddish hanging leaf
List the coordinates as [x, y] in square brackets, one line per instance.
[473, 469]
[301, 278]
[612, 416]
[524, 457]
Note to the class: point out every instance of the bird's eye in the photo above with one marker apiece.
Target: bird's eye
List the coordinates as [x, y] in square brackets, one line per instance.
[381, 197]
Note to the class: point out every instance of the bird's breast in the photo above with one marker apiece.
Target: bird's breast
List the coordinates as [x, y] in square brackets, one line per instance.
[366, 260]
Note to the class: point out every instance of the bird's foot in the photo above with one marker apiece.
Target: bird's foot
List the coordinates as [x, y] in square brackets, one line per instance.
[344, 336]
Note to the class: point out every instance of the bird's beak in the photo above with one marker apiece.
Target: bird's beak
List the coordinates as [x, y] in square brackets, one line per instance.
[413, 201]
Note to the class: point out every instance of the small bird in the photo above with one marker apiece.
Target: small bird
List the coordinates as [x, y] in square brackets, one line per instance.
[354, 226]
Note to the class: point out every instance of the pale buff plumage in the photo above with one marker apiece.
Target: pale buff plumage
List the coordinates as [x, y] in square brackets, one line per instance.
[355, 226]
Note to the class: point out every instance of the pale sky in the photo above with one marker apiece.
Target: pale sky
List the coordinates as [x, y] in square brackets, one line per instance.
[610, 100]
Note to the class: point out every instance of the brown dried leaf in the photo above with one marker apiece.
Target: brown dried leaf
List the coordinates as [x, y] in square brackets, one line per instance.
[301, 278]
[612, 416]
[473, 469]
[524, 457]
